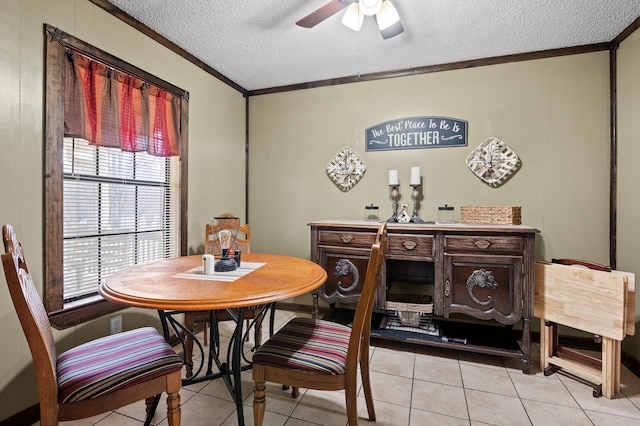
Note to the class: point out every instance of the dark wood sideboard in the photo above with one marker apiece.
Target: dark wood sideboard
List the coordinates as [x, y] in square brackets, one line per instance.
[473, 282]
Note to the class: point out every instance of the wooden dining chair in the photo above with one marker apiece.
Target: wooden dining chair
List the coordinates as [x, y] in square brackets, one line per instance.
[323, 355]
[97, 376]
[212, 246]
[227, 221]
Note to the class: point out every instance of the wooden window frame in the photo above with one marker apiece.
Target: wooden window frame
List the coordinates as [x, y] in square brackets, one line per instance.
[57, 42]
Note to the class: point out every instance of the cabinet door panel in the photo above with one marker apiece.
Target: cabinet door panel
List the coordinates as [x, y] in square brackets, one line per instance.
[485, 287]
[346, 272]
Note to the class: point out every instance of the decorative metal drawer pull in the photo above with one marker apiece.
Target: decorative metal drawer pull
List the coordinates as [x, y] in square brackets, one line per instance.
[482, 244]
[344, 268]
[483, 279]
[410, 245]
[347, 238]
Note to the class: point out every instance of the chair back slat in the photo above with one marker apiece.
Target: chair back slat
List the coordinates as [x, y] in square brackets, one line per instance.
[361, 328]
[33, 316]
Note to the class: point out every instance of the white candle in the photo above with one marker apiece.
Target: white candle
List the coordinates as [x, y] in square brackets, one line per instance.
[415, 175]
[393, 177]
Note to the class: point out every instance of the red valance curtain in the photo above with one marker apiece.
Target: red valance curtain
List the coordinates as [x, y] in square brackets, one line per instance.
[113, 109]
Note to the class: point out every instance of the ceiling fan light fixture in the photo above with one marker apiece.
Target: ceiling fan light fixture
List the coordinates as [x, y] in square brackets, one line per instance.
[392, 31]
[353, 17]
[388, 20]
[370, 7]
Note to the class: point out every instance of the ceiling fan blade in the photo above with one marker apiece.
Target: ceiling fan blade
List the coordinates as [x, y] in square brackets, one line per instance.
[322, 13]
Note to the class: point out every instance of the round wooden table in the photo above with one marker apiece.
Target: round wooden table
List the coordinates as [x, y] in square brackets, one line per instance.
[156, 285]
[178, 285]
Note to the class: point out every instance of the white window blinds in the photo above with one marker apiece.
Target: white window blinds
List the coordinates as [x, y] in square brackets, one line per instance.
[120, 209]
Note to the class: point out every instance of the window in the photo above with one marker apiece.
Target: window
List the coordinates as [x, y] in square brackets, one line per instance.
[105, 208]
[120, 209]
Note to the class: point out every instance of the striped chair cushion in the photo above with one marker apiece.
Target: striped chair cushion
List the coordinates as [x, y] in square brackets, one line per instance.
[114, 362]
[303, 344]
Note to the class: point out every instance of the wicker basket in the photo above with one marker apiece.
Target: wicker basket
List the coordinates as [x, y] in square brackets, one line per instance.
[492, 215]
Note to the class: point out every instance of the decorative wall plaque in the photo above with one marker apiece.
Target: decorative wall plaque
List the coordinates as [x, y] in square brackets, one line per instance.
[493, 161]
[346, 168]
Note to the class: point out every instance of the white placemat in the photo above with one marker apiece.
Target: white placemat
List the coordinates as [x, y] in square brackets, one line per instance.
[197, 274]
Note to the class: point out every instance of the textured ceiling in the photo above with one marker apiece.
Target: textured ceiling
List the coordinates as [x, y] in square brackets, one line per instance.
[256, 44]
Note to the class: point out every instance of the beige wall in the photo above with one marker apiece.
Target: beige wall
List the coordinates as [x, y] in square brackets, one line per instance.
[554, 113]
[216, 134]
[628, 171]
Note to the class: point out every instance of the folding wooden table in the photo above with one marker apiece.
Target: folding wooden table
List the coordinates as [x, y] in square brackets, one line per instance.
[597, 302]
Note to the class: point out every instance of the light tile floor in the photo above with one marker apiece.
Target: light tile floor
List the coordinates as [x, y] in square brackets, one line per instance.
[414, 386]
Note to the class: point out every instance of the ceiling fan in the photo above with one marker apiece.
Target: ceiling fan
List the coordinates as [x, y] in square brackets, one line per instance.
[384, 13]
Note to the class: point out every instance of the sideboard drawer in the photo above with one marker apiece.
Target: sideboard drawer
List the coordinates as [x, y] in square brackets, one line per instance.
[410, 245]
[346, 238]
[483, 243]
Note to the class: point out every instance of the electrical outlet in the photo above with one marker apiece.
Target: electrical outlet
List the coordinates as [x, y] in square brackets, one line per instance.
[116, 324]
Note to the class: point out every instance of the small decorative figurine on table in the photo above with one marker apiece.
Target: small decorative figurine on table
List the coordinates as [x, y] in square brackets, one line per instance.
[403, 216]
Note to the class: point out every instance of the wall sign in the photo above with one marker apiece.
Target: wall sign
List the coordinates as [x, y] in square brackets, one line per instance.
[416, 132]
